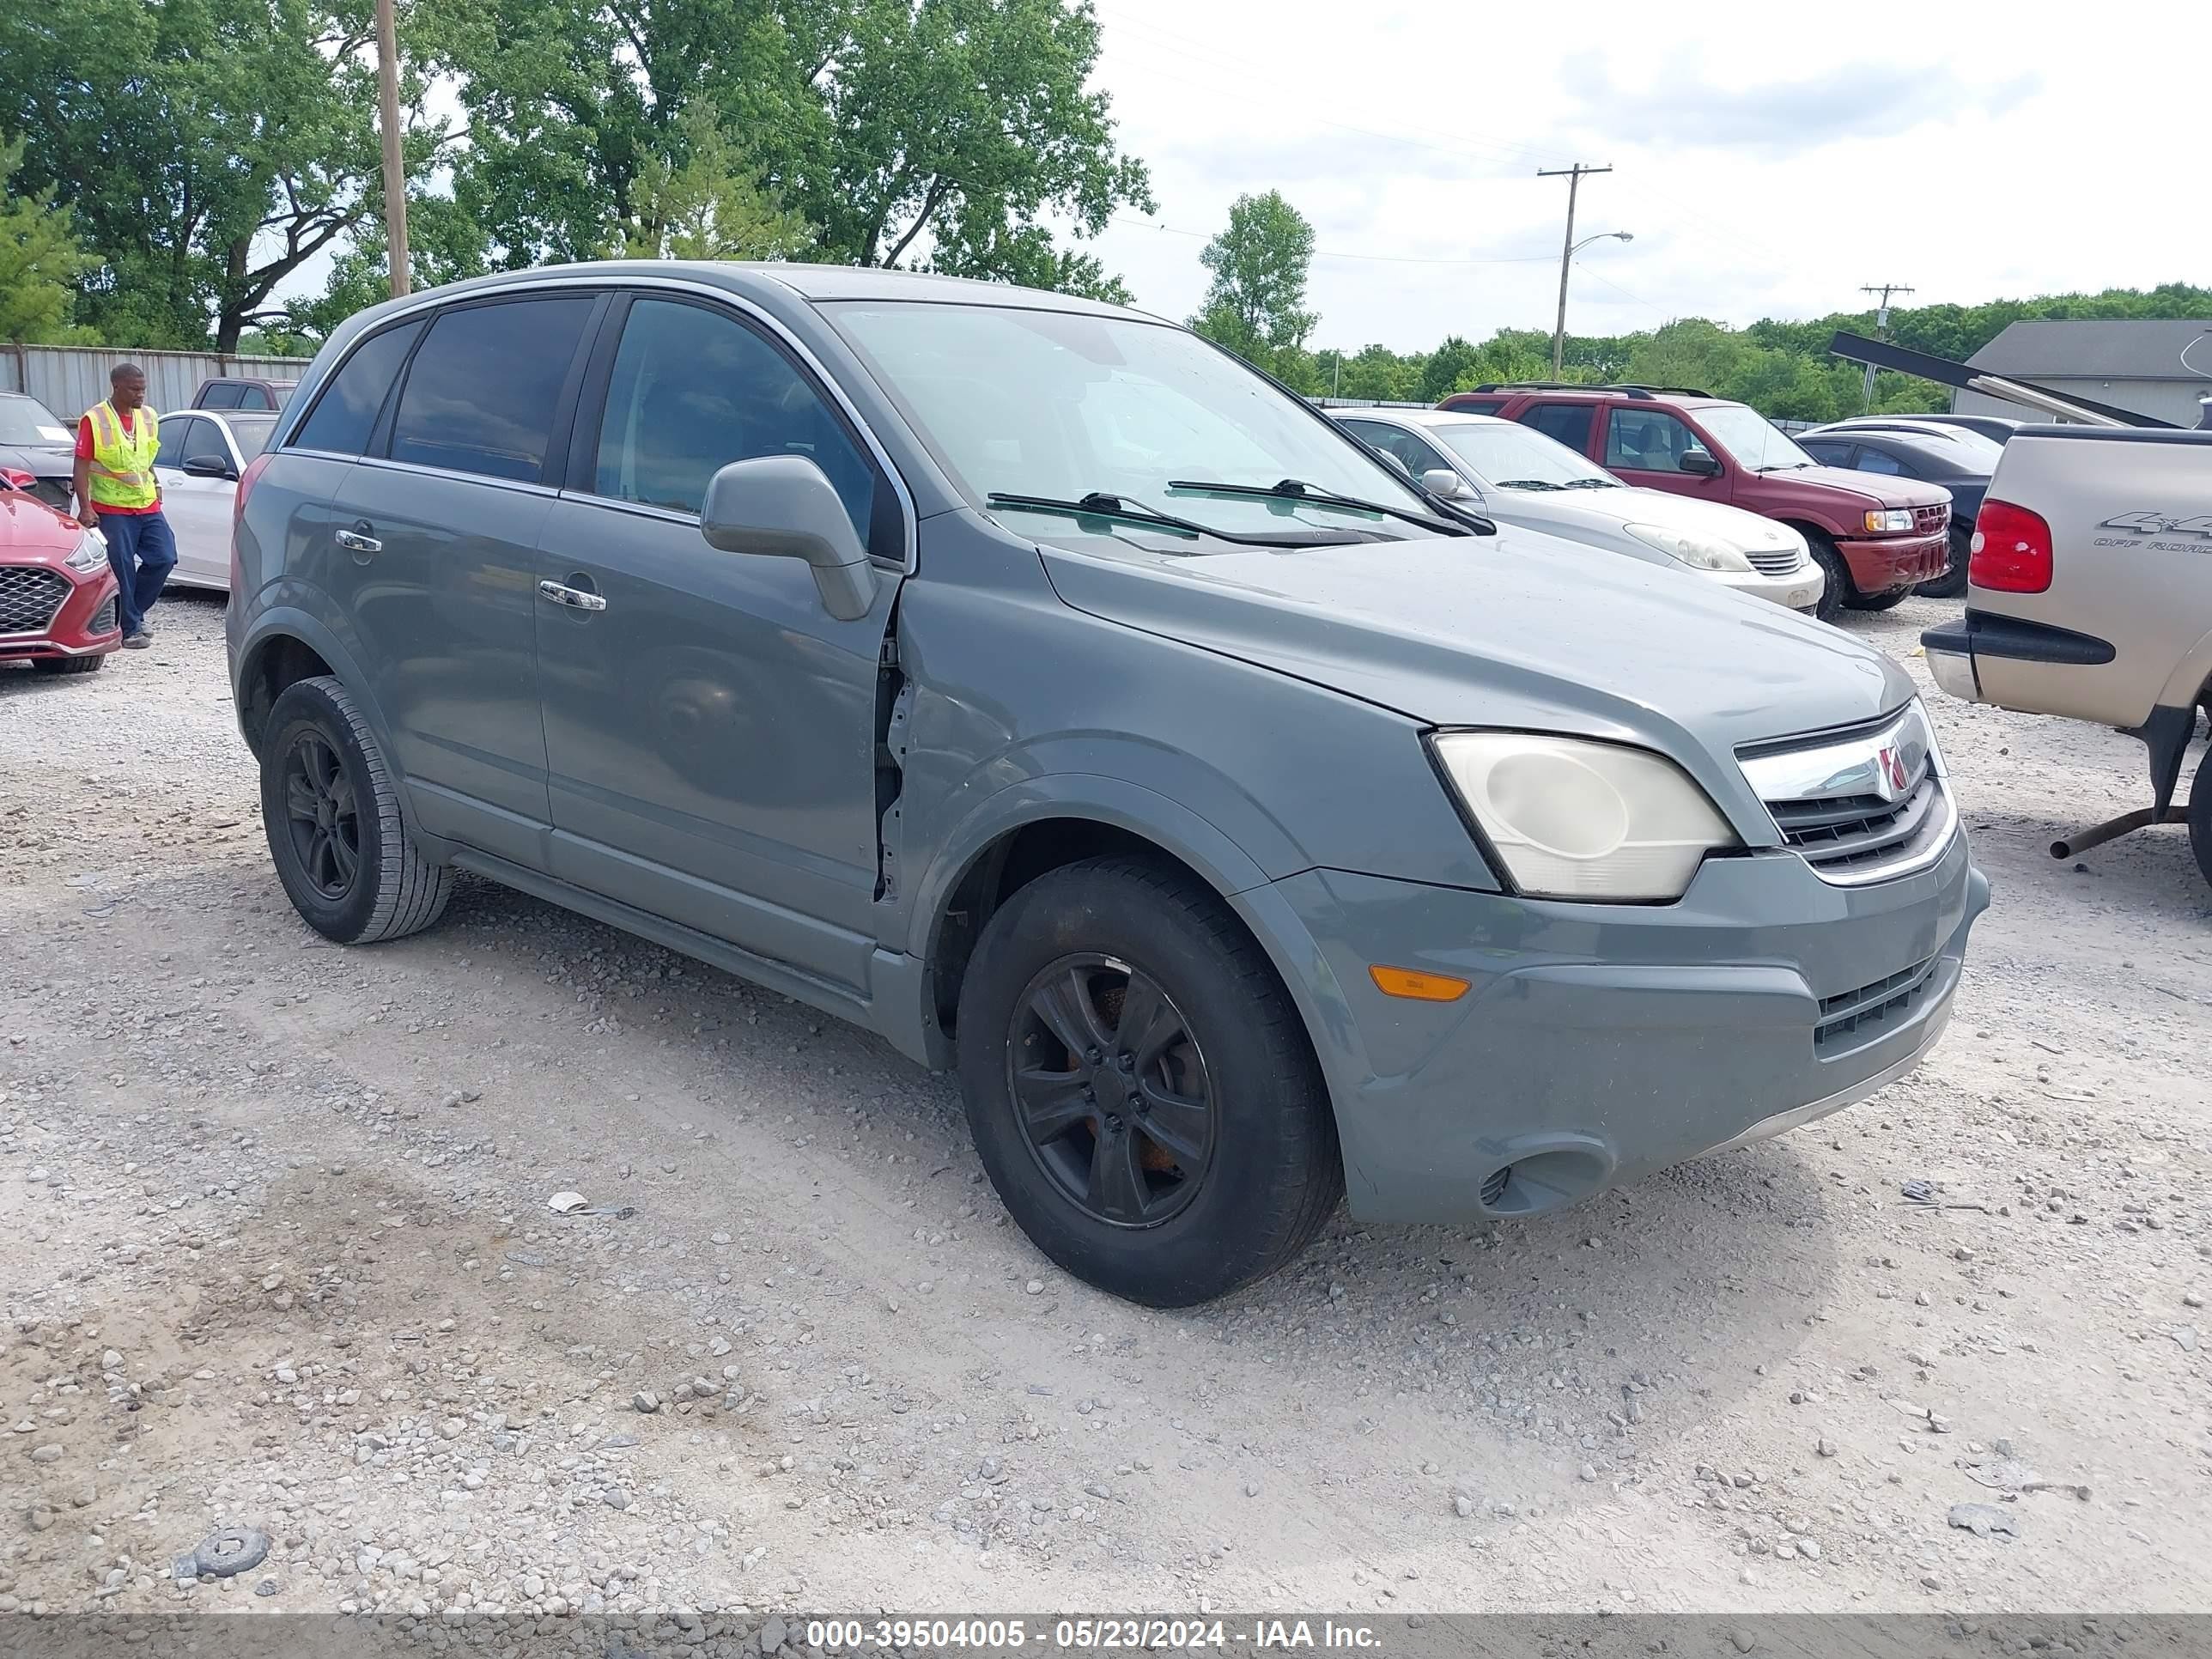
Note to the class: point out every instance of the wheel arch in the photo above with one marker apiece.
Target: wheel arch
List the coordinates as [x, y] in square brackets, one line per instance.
[286, 646]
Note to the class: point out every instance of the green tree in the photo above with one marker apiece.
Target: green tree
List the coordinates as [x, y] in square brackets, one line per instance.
[1255, 303]
[711, 206]
[944, 132]
[39, 259]
[209, 149]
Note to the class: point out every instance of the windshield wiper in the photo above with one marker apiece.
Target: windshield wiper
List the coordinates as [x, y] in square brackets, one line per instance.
[1295, 490]
[1591, 484]
[1526, 483]
[1098, 504]
[1784, 467]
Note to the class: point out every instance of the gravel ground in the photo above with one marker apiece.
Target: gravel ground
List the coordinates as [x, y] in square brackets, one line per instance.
[275, 1251]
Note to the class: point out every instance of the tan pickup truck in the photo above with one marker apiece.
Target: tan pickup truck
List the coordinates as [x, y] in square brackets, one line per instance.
[2090, 598]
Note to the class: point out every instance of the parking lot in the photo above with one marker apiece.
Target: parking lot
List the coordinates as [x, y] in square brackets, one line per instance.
[276, 1249]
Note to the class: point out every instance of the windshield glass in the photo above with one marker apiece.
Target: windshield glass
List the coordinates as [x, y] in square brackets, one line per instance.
[1751, 439]
[1504, 454]
[252, 432]
[27, 421]
[1065, 405]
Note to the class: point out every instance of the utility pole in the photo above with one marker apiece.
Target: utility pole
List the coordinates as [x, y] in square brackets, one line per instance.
[1880, 327]
[395, 165]
[1573, 175]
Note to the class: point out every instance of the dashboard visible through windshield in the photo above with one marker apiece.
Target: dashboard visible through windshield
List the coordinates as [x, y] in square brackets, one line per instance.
[1070, 406]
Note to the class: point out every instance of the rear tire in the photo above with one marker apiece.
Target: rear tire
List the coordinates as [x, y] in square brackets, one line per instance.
[2200, 816]
[331, 808]
[1952, 581]
[1248, 1169]
[1836, 592]
[69, 664]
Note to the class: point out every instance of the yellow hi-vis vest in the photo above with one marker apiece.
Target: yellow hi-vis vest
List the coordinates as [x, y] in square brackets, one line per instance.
[122, 470]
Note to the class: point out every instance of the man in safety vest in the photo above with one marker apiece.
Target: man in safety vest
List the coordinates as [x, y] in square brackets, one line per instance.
[118, 495]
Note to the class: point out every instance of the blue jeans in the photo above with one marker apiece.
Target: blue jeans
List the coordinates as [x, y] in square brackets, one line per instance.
[142, 553]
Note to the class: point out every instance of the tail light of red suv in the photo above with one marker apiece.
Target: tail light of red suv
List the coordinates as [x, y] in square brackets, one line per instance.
[2011, 549]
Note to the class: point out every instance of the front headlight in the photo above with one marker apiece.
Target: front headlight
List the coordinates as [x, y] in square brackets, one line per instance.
[1884, 522]
[1699, 552]
[90, 553]
[1579, 820]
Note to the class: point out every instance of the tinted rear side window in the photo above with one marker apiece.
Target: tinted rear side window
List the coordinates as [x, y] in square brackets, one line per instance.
[220, 396]
[346, 412]
[1477, 405]
[482, 395]
[1570, 423]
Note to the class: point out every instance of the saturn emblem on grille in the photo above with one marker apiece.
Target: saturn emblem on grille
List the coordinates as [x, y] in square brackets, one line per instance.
[1892, 767]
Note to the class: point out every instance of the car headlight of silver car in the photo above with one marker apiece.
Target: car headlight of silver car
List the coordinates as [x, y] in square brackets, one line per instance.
[1574, 819]
[90, 553]
[1698, 552]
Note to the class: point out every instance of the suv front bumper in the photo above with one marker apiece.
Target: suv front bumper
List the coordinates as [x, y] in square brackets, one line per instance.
[1599, 1043]
[1880, 564]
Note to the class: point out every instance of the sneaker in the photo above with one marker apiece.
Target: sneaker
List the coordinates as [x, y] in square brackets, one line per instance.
[135, 641]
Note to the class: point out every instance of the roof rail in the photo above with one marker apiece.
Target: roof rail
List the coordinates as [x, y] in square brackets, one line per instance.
[1625, 387]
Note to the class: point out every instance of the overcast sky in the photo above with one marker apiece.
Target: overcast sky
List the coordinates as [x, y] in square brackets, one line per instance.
[1768, 159]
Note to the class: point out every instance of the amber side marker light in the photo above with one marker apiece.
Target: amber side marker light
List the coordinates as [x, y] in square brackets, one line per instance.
[1418, 988]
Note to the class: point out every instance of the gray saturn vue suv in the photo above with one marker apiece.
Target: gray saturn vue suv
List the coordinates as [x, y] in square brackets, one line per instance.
[1032, 683]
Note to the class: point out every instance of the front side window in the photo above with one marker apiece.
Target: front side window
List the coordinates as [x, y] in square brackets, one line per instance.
[1872, 460]
[204, 443]
[175, 432]
[482, 394]
[1065, 405]
[693, 389]
[1827, 451]
[1418, 457]
[1648, 441]
[221, 395]
[345, 413]
[1564, 423]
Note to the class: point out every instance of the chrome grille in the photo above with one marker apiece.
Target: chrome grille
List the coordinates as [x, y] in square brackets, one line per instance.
[1777, 561]
[29, 595]
[1858, 806]
[1851, 1019]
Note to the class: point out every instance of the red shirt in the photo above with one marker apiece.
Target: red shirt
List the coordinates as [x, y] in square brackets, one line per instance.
[84, 454]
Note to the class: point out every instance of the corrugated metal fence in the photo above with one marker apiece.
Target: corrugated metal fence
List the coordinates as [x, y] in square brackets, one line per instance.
[70, 380]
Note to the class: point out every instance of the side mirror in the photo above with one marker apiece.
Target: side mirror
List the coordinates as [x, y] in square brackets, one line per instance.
[1443, 482]
[1701, 461]
[208, 466]
[784, 507]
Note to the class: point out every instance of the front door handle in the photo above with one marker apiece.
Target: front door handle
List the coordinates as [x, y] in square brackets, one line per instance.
[354, 541]
[574, 598]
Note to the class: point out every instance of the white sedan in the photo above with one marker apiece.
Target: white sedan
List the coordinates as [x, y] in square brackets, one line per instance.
[1518, 476]
[198, 466]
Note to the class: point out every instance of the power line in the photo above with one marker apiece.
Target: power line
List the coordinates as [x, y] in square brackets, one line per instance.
[1324, 253]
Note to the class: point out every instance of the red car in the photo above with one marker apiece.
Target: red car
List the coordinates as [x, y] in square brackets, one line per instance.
[58, 597]
[1876, 537]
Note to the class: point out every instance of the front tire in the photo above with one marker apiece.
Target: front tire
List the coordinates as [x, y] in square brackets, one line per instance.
[68, 665]
[1952, 581]
[1837, 591]
[1888, 601]
[1141, 1088]
[331, 808]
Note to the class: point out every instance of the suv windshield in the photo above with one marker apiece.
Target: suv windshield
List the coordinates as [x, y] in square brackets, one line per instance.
[1513, 457]
[1751, 439]
[1063, 405]
[27, 421]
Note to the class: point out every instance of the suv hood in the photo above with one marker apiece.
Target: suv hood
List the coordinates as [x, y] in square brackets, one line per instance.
[1875, 489]
[1518, 630]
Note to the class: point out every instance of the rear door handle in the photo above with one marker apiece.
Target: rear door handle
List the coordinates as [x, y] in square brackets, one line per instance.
[354, 541]
[574, 598]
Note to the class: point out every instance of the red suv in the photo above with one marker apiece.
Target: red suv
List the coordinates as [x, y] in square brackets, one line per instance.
[58, 595]
[1875, 536]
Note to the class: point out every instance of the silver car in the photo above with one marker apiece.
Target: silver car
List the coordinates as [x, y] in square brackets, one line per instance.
[1516, 475]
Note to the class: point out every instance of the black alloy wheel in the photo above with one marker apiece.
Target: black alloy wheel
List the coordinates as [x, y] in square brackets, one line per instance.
[322, 816]
[1112, 1092]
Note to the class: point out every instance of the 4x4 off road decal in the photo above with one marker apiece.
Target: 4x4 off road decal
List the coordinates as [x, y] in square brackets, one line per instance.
[2159, 523]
